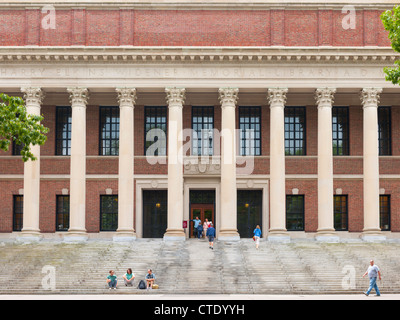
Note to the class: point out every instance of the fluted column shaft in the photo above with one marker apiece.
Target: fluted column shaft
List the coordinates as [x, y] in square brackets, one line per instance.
[175, 100]
[326, 230]
[126, 98]
[277, 100]
[228, 218]
[370, 100]
[30, 226]
[77, 229]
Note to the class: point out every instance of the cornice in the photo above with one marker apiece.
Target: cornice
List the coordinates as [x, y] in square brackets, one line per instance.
[131, 54]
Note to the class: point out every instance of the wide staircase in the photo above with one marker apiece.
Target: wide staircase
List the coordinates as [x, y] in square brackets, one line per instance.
[190, 267]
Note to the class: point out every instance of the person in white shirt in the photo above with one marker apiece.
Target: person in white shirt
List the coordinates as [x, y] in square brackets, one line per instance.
[373, 272]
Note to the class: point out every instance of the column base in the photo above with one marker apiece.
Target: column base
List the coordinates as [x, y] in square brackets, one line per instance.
[373, 235]
[124, 235]
[29, 236]
[228, 235]
[280, 236]
[327, 236]
[174, 235]
[74, 236]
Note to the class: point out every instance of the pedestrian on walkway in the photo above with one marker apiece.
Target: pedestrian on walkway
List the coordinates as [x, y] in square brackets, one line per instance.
[112, 280]
[373, 272]
[205, 227]
[128, 277]
[211, 236]
[257, 236]
[199, 231]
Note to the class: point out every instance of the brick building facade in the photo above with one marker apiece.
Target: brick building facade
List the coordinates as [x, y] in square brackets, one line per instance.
[214, 66]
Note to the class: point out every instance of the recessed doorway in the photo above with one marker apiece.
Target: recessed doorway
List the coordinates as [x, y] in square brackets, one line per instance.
[202, 205]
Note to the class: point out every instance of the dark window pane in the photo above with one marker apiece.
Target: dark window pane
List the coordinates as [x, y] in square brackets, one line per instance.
[108, 213]
[340, 131]
[155, 124]
[295, 212]
[18, 209]
[250, 131]
[62, 213]
[109, 131]
[340, 212]
[295, 143]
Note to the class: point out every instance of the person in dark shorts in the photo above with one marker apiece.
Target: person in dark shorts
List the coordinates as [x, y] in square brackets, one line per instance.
[211, 235]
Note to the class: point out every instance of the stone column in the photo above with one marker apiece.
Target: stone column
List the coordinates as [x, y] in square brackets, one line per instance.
[30, 226]
[228, 218]
[126, 98]
[326, 230]
[175, 100]
[370, 100]
[277, 100]
[77, 228]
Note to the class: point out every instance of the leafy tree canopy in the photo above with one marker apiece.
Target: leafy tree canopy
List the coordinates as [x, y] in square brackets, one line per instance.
[391, 21]
[20, 127]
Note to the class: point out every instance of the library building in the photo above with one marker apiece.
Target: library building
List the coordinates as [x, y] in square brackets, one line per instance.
[239, 113]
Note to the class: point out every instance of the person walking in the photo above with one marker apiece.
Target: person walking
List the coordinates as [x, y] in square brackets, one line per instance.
[257, 236]
[205, 227]
[373, 273]
[211, 236]
[199, 231]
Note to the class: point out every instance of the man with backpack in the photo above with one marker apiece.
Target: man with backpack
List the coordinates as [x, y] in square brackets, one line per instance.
[211, 235]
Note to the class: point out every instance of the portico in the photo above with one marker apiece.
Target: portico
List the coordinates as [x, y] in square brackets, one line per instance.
[318, 79]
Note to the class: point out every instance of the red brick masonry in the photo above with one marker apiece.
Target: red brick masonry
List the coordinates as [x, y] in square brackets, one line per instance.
[191, 28]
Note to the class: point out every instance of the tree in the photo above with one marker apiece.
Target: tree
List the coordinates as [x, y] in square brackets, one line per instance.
[391, 22]
[20, 127]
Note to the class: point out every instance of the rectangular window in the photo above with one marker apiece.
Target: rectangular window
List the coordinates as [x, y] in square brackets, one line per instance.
[250, 131]
[295, 131]
[62, 213]
[203, 135]
[340, 131]
[295, 212]
[108, 213]
[385, 131]
[155, 216]
[340, 212]
[18, 209]
[63, 131]
[17, 148]
[384, 206]
[109, 131]
[155, 129]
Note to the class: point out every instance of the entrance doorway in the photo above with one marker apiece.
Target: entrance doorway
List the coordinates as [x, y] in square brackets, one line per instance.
[249, 211]
[202, 205]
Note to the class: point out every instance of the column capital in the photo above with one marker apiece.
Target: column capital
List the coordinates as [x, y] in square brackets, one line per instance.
[78, 96]
[175, 96]
[126, 96]
[370, 97]
[228, 96]
[325, 96]
[33, 95]
[277, 97]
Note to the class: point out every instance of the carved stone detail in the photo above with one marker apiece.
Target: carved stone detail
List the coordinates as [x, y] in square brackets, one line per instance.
[175, 96]
[78, 96]
[370, 97]
[228, 96]
[126, 96]
[33, 95]
[277, 97]
[325, 96]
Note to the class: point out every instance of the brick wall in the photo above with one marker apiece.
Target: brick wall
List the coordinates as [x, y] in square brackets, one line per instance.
[191, 28]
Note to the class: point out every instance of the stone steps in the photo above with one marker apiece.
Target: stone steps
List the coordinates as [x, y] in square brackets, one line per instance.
[190, 267]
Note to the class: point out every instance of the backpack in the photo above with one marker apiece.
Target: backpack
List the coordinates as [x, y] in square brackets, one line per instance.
[142, 285]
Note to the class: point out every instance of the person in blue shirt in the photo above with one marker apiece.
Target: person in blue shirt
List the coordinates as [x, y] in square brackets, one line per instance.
[257, 235]
[199, 231]
[196, 221]
[211, 235]
[112, 280]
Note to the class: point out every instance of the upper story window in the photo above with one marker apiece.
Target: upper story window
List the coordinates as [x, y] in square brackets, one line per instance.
[295, 131]
[109, 131]
[385, 131]
[203, 131]
[155, 131]
[340, 131]
[250, 131]
[63, 131]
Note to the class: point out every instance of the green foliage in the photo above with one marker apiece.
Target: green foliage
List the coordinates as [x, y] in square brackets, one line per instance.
[391, 22]
[19, 126]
